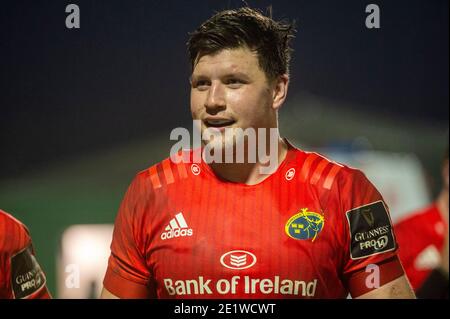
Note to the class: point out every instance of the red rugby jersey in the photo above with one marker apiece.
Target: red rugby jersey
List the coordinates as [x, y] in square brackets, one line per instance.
[309, 230]
[421, 238]
[20, 274]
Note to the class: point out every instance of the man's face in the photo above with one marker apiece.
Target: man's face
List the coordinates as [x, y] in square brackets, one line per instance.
[230, 90]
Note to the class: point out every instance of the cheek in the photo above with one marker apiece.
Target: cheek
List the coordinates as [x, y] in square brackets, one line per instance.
[249, 102]
[196, 105]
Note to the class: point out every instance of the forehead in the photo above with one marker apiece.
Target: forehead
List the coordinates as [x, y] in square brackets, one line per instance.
[240, 60]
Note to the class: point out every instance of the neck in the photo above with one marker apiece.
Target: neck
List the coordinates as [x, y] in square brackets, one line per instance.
[248, 173]
[442, 204]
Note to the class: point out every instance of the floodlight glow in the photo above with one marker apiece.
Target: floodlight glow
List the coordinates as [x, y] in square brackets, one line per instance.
[83, 260]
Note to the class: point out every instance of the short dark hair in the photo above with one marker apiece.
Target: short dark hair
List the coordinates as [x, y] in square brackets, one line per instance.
[245, 27]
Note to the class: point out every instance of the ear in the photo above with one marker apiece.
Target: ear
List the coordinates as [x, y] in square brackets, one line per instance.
[279, 92]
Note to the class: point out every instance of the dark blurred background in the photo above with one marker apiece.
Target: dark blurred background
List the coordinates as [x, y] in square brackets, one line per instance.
[82, 110]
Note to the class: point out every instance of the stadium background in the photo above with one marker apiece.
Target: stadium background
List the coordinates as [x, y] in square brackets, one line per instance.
[83, 110]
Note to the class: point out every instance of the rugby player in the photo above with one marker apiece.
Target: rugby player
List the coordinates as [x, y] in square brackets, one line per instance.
[313, 228]
[21, 277]
[423, 244]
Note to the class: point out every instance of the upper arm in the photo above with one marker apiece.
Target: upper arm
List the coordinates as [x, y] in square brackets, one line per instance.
[22, 275]
[396, 289]
[370, 248]
[128, 275]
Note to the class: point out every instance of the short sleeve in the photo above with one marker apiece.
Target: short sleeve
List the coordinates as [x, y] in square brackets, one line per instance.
[127, 275]
[28, 280]
[369, 236]
[22, 276]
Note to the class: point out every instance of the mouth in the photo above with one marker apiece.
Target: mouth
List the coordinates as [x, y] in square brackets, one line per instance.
[218, 122]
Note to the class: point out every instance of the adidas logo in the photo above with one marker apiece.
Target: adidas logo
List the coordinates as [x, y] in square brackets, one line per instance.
[177, 228]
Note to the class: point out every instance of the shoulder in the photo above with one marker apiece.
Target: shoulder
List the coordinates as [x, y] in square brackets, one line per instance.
[14, 235]
[164, 173]
[11, 223]
[152, 184]
[318, 170]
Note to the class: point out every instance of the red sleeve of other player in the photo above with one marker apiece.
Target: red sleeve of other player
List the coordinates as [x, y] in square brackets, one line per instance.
[21, 276]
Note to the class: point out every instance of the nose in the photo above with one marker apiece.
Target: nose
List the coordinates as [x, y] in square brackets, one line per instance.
[215, 100]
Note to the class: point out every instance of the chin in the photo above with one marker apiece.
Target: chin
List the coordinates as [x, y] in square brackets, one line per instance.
[222, 143]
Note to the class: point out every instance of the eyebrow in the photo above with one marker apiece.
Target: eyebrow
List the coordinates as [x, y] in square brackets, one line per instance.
[227, 75]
